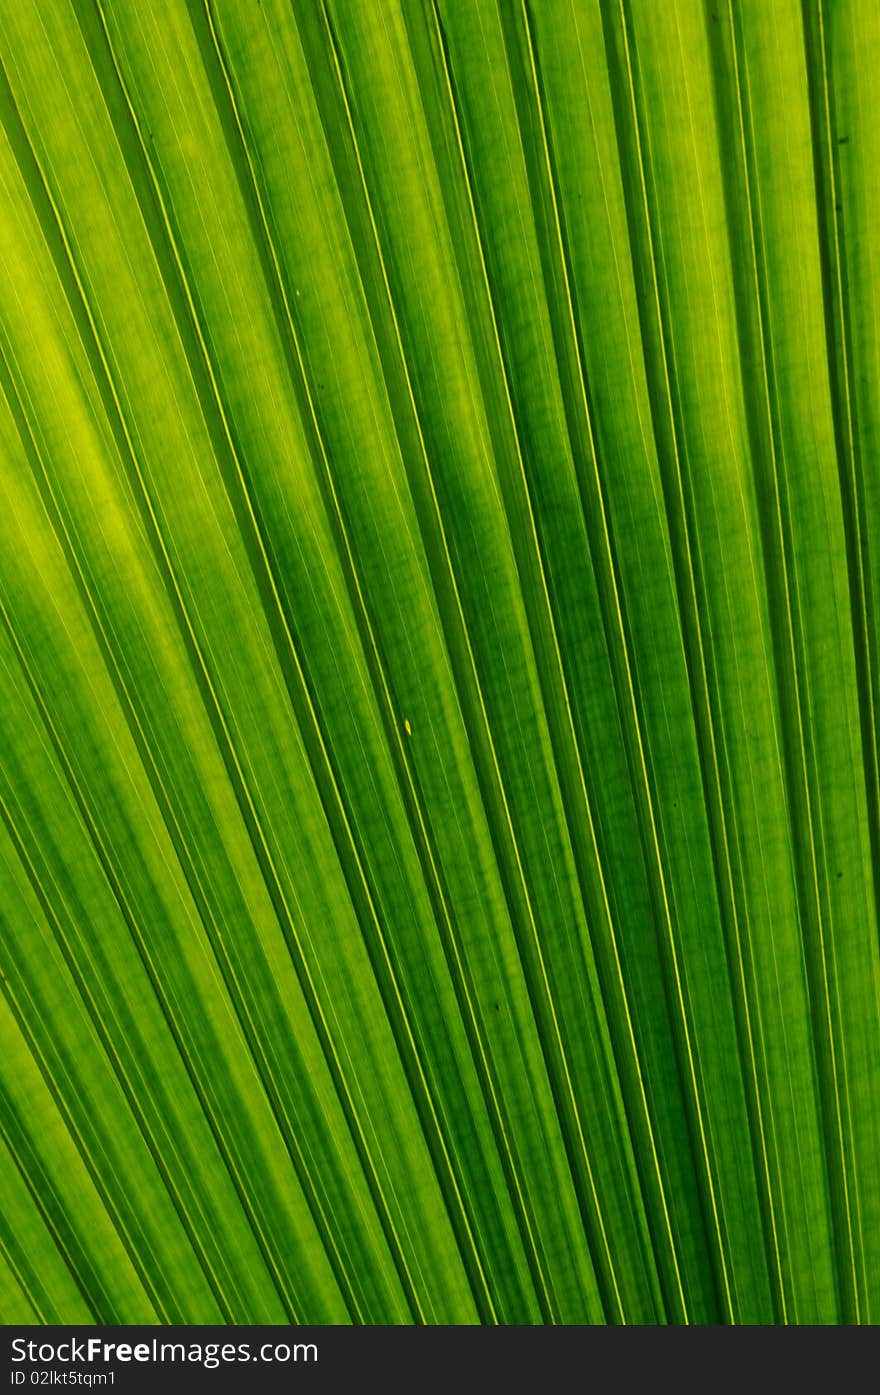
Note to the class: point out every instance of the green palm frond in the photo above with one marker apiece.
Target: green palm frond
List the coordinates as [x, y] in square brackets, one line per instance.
[439, 496]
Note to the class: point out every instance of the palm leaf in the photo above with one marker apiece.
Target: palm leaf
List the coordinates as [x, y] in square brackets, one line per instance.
[439, 777]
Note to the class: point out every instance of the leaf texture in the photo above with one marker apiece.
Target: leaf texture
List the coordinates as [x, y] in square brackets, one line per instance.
[439, 782]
